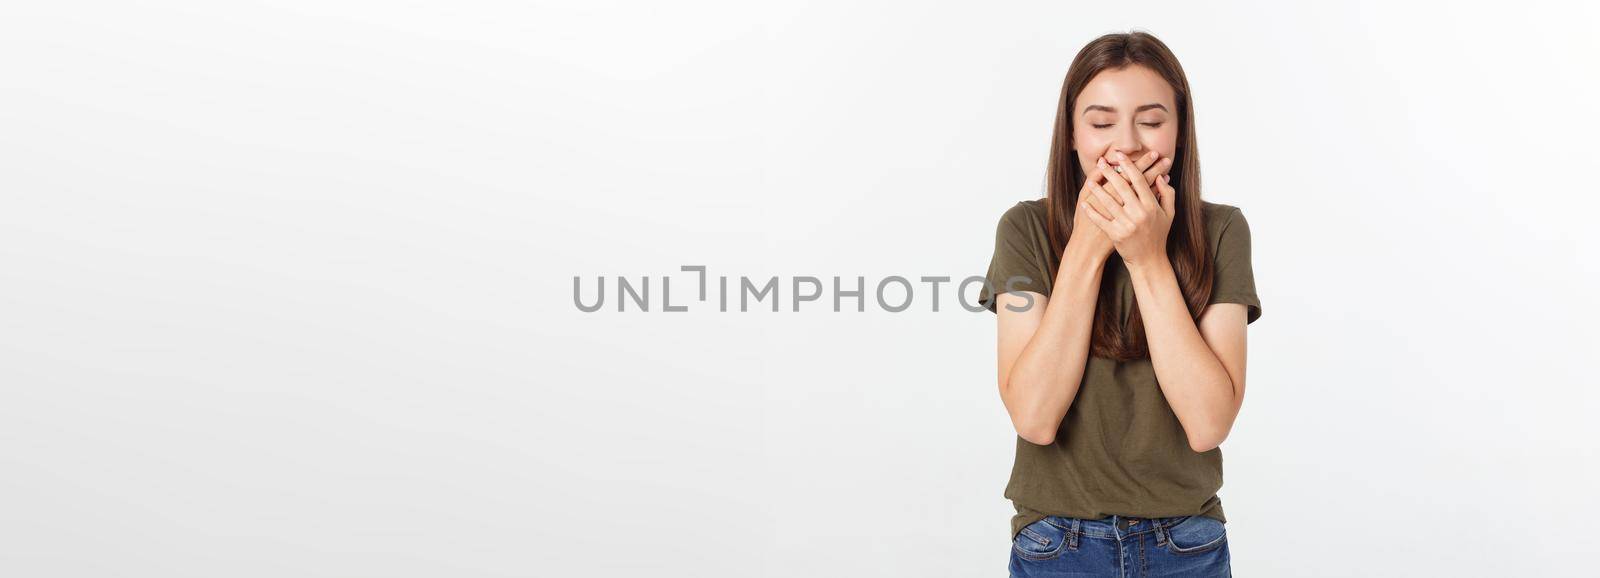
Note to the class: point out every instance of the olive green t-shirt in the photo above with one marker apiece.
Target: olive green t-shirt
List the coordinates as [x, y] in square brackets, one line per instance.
[1120, 450]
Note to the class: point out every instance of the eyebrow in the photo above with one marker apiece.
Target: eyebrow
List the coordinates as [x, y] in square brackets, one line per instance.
[1094, 107]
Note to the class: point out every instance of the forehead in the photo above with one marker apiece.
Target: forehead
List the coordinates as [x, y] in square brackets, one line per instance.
[1125, 89]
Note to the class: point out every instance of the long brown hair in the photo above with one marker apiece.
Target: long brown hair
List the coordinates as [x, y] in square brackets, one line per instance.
[1186, 242]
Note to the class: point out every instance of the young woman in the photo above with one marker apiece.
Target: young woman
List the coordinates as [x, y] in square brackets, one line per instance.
[1122, 301]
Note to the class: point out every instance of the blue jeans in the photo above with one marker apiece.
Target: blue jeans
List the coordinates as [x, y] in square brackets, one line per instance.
[1121, 547]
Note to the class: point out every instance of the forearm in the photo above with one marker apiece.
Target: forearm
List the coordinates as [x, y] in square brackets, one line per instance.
[1045, 377]
[1193, 380]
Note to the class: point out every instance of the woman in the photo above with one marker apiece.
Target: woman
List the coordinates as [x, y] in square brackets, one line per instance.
[1122, 301]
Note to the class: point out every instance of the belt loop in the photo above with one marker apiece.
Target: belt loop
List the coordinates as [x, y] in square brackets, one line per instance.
[1161, 533]
[1072, 535]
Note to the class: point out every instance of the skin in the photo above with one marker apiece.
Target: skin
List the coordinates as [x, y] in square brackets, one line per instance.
[1043, 349]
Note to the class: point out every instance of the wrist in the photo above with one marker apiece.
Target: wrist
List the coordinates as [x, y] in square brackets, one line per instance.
[1148, 264]
[1076, 261]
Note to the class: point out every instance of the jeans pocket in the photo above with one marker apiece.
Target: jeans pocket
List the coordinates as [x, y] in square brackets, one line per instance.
[1040, 540]
[1196, 535]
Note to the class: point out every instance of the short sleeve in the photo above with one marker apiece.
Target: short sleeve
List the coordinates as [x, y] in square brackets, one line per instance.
[1018, 262]
[1235, 280]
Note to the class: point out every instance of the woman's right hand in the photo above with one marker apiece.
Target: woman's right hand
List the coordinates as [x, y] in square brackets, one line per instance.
[1086, 236]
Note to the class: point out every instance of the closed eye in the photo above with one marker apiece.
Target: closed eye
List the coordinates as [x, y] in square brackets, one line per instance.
[1149, 124]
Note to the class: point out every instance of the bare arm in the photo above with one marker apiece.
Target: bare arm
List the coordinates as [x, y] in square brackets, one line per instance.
[1201, 376]
[1043, 350]
[1200, 369]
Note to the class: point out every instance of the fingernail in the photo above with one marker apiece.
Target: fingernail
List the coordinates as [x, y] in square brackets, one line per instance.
[1151, 154]
[1102, 162]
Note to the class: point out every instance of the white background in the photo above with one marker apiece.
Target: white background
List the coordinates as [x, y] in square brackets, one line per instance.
[286, 287]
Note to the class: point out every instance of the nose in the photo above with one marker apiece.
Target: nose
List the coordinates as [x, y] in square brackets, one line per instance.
[1127, 142]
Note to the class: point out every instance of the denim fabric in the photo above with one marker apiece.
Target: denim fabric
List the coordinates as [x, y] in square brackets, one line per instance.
[1121, 547]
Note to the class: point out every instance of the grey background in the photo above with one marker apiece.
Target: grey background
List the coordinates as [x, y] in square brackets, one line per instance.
[285, 288]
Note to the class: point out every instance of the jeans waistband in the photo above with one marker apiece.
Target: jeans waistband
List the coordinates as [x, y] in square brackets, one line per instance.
[1113, 527]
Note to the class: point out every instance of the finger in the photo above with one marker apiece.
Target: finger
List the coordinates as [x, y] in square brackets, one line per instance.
[1146, 160]
[1106, 172]
[1169, 195]
[1094, 202]
[1095, 218]
[1097, 173]
[1157, 169]
[1142, 193]
[1093, 176]
[1113, 207]
[1117, 183]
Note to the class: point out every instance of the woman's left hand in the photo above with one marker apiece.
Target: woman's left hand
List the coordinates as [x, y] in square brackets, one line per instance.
[1140, 218]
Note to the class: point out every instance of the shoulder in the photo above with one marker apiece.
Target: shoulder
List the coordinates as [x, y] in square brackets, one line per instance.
[1026, 215]
[1217, 213]
[1221, 218]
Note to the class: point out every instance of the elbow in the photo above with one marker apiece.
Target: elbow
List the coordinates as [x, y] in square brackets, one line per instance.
[1039, 438]
[1037, 434]
[1205, 443]
[1035, 429]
